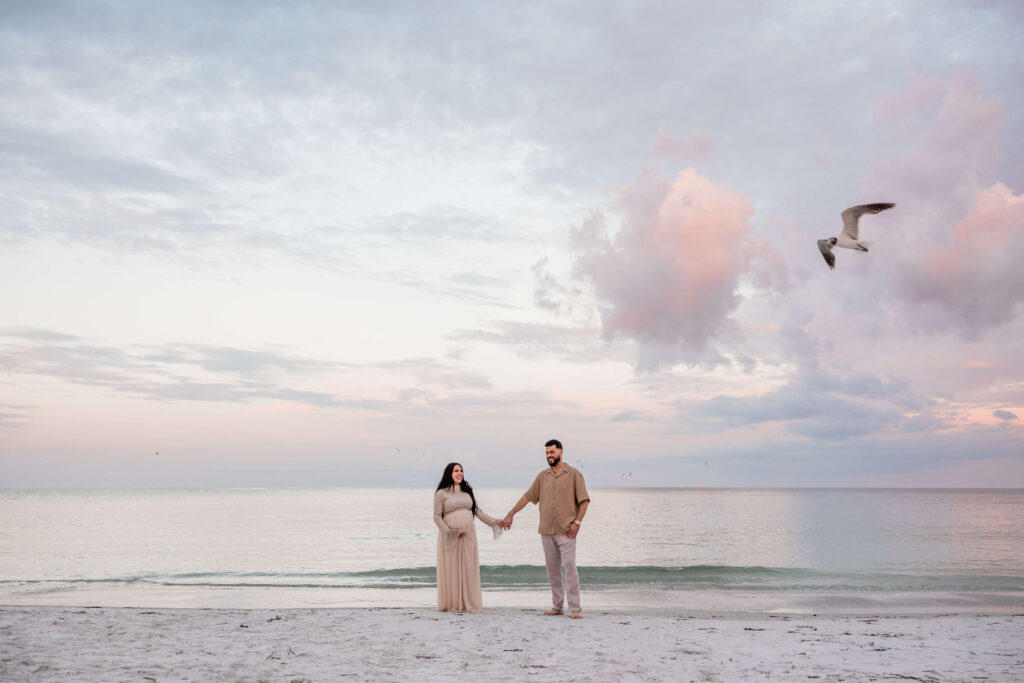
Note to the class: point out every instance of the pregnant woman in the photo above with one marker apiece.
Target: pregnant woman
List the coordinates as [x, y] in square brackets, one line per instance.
[458, 561]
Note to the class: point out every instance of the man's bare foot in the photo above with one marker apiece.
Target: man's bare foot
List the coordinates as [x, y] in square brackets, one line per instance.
[552, 612]
[576, 615]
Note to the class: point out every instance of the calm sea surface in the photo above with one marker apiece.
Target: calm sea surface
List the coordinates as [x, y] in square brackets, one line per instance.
[698, 548]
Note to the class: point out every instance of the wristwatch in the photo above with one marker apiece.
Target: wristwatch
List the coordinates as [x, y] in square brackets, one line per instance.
[576, 522]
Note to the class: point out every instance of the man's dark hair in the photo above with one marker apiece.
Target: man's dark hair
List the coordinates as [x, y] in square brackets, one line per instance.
[554, 442]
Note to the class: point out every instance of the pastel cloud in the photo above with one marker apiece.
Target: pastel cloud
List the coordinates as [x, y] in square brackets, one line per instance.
[11, 417]
[897, 106]
[690, 147]
[943, 149]
[174, 372]
[667, 279]
[820, 399]
[573, 343]
[951, 258]
[976, 282]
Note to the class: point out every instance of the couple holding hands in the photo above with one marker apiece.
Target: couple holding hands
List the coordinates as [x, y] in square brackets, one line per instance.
[562, 496]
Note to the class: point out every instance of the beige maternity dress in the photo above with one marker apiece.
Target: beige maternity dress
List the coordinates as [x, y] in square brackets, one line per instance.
[458, 560]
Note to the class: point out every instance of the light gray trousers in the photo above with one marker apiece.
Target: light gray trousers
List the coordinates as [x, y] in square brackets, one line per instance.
[560, 556]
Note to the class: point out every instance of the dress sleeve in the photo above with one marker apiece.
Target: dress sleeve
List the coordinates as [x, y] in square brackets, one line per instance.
[439, 512]
[491, 522]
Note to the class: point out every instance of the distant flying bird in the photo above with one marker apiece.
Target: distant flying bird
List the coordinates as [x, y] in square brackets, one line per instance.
[848, 237]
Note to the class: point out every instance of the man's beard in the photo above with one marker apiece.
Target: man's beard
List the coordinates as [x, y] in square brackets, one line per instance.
[558, 459]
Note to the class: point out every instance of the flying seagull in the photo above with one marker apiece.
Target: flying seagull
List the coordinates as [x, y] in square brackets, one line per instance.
[848, 237]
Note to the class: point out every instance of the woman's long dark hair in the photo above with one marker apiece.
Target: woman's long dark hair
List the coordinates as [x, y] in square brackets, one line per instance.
[447, 480]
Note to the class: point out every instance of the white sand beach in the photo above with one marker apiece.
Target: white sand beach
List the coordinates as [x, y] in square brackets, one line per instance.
[104, 644]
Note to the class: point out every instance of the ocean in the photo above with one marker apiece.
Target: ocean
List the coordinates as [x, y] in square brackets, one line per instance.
[894, 550]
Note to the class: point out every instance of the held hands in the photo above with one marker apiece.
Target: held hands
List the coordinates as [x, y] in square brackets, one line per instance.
[506, 523]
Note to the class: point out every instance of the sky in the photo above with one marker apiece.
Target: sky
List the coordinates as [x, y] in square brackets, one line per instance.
[259, 244]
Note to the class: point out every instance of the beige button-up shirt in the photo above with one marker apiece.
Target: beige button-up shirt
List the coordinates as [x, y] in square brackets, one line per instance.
[559, 497]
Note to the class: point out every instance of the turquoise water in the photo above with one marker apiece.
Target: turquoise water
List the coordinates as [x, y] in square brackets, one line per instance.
[275, 547]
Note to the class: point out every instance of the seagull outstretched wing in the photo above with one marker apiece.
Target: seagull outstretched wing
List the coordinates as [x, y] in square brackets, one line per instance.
[853, 214]
[825, 247]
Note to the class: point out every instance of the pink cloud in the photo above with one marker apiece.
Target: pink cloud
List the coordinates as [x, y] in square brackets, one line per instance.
[897, 106]
[667, 279]
[950, 256]
[977, 281]
[936, 159]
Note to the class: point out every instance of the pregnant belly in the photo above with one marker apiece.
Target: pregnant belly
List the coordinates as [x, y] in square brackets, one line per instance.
[461, 519]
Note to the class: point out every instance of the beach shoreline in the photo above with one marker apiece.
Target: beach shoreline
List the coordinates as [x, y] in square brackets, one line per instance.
[632, 599]
[501, 643]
